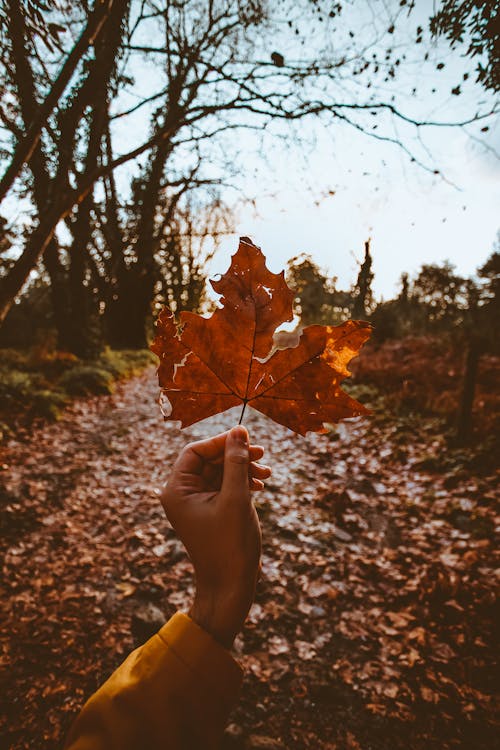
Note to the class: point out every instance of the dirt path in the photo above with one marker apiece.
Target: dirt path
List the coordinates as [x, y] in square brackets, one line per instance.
[373, 622]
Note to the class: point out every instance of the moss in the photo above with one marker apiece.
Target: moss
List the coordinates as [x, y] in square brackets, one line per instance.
[84, 380]
[39, 383]
[15, 386]
[14, 359]
[125, 362]
[48, 404]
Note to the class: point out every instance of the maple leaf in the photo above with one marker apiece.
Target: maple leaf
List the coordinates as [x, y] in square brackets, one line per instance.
[208, 365]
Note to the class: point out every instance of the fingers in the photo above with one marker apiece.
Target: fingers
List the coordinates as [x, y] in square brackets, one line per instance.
[256, 485]
[236, 462]
[194, 455]
[256, 452]
[259, 471]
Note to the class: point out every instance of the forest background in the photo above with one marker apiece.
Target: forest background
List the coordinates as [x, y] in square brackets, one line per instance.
[138, 138]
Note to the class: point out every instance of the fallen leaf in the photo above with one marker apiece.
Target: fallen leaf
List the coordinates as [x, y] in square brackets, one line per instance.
[126, 589]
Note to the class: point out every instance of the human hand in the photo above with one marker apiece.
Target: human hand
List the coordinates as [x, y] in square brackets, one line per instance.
[207, 500]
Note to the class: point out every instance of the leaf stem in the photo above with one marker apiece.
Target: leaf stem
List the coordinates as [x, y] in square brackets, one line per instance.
[242, 412]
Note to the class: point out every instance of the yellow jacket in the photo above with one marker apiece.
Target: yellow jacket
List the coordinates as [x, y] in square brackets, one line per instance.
[173, 693]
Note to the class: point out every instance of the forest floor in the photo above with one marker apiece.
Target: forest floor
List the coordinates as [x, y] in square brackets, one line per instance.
[373, 624]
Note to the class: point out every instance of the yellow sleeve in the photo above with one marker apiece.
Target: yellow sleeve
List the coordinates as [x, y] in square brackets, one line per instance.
[173, 693]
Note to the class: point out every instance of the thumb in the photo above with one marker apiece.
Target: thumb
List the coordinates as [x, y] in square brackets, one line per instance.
[236, 460]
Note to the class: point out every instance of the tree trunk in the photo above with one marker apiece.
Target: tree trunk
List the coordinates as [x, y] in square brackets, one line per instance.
[363, 285]
[128, 312]
[86, 337]
[27, 145]
[134, 304]
[13, 282]
[464, 422]
[25, 84]
[54, 195]
[59, 295]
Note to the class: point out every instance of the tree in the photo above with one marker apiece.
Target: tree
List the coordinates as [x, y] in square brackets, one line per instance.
[476, 24]
[481, 330]
[312, 287]
[50, 174]
[18, 17]
[362, 292]
[318, 301]
[216, 68]
[442, 295]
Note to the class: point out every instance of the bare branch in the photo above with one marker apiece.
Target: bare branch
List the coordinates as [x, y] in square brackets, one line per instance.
[26, 147]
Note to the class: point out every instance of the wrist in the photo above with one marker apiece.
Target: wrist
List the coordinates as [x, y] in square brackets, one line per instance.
[218, 618]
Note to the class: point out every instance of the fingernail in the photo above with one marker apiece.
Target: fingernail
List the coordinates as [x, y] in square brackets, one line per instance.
[239, 433]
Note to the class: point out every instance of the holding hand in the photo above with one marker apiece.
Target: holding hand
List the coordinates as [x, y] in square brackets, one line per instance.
[207, 500]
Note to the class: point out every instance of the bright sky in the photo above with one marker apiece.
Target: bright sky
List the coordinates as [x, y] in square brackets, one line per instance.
[327, 195]
[412, 217]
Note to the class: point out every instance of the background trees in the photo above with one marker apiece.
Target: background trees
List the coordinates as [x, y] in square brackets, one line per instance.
[444, 314]
[165, 88]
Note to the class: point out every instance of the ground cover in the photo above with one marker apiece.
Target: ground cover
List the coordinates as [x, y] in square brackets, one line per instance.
[373, 624]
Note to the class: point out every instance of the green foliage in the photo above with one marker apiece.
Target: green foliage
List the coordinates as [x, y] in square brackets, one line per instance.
[15, 386]
[125, 363]
[317, 300]
[85, 380]
[14, 359]
[48, 404]
[27, 391]
[39, 382]
[441, 293]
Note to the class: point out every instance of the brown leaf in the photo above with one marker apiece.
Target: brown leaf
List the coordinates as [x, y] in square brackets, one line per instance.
[208, 365]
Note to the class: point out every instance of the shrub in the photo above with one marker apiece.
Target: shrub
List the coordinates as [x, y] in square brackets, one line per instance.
[114, 363]
[84, 380]
[53, 363]
[15, 387]
[14, 359]
[48, 404]
[125, 362]
[424, 374]
[38, 382]
[139, 358]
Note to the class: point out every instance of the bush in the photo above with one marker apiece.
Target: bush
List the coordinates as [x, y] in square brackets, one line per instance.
[48, 404]
[39, 382]
[15, 387]
[125, 362]
[84, 380]
[52, 363]
[424, 375]
[14, 359]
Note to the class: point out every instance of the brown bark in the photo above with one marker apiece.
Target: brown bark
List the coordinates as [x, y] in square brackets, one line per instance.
[132, 309]
[84, 340]
[13, 282]
[464, 422]
[53, 196]
[25, 85]
[29, 143]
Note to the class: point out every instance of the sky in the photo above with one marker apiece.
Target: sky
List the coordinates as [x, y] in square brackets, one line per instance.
[329, 190]
[411, 217]
[329, 193]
